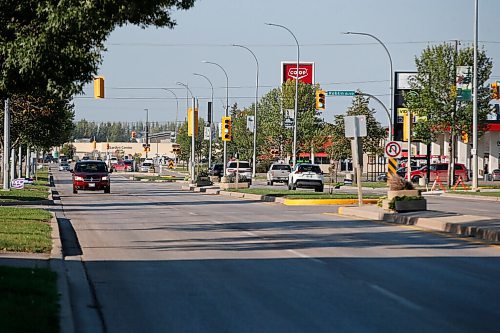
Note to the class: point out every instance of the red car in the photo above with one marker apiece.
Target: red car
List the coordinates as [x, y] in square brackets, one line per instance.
[92, 176]
[123, 166]
[441, 170]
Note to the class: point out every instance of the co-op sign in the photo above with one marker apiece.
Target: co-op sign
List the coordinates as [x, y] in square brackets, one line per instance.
[305, 73]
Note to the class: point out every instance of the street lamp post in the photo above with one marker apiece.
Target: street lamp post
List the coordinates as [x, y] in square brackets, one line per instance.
[147, 131]
[296, 115]
[254, 156]
[226, 111]
[474, 103]
[210, 120]
[391, 134]
[193, 131]
[176, 110]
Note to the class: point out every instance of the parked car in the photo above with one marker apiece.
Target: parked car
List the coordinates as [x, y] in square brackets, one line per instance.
[145, 166]
[216, 170]
[278, 173]
[64, 166]
[91, 175]
[495, 174]
[242, 168]
[401, 172]
[123, 166]
[306, 176]
[441, 170]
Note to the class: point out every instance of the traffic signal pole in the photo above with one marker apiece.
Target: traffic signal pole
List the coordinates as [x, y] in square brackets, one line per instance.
[193, 134]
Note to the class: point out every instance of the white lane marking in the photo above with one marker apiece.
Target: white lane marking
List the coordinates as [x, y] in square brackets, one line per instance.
[395, 297]
[302, 255]
[250, 233]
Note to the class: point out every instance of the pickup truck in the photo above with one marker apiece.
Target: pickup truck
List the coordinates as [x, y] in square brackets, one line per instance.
[242, 168]
[278, 172]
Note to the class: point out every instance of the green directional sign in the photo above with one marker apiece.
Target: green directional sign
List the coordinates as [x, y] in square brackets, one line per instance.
[341, 93]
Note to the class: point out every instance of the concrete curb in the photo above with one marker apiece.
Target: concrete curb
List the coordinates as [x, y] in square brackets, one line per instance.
[56, 263]
[478, 227]
[308, 202]
[467, 196]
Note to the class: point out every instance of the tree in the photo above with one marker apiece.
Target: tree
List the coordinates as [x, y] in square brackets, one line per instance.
[52, 46]
[436, 97]
[341, 146]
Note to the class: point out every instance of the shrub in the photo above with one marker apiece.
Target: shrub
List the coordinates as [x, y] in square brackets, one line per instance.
[397, 183]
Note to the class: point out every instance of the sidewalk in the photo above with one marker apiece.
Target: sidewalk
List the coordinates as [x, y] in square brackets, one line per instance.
[479, 227]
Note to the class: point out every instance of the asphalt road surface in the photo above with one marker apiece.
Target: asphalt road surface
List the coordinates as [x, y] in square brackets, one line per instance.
[158, 259]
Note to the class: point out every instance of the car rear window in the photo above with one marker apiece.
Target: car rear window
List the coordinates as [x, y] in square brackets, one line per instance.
[90, 167]
[309, 168]
[243, 165]
[281, 167]
[146, 164]
[127, 162]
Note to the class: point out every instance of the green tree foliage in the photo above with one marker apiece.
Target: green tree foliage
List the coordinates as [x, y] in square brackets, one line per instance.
[39, 122]
[54, 47]
[436, 94]
[341, 146]
[68, 150]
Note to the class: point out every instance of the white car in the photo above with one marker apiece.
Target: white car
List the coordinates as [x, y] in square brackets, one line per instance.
[64, 166]
[306, 175]
[243, 169]
[145, 166]
[278, 172]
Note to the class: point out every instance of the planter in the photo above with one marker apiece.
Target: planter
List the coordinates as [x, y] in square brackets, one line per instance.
[402, 193]
[410, 205]
[225, 186]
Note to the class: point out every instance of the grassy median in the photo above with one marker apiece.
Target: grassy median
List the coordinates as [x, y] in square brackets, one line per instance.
[25, 230]
[29, 301]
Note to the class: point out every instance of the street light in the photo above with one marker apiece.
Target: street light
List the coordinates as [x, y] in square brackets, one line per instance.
[391, 108]
[210, 120]
[177, 108]
[226, 112]
[294, 147]
[147, 131]
[254, 158]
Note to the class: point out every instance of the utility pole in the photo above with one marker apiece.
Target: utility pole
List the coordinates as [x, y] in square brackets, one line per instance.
[6, 145]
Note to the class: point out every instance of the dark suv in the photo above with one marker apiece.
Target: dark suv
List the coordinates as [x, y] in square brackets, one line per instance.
[216, 170]
[91, 175]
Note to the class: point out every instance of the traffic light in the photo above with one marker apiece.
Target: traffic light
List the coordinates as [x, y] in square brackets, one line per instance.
[99, 87]
[320, 99]
[176, 149]
[227, 134]
[190, 119]
[133, 134]
[495, 90]
[465, 137]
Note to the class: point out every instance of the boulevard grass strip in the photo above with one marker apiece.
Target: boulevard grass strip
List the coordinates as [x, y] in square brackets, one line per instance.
[29, 193]
[25, 230]
[29, 301]
[302, 194]
[481, 194]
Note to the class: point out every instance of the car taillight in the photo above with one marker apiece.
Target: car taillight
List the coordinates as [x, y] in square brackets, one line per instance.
[297, 172]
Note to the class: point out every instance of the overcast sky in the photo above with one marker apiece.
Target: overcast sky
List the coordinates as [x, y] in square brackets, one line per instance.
[139, 61]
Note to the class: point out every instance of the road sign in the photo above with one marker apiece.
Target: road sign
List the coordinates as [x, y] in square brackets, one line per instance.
[170, 164]
[355, 126]
[393, 149]
[289, 123]
[341, 93]
[391, 168]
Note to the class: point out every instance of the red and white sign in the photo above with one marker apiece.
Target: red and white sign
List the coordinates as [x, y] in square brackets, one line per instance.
[393, 149]
[305, 74]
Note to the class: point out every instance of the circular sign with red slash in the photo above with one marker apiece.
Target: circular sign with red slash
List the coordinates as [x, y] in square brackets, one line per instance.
[393, 149]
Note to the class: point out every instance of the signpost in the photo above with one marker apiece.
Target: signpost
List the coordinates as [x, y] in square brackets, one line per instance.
[393, 149]
[341, 93]
[355, 127]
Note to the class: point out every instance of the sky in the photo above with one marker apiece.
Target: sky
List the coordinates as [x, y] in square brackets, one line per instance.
[140, 64]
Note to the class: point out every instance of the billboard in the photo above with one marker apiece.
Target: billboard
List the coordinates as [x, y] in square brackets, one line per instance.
[305, 74]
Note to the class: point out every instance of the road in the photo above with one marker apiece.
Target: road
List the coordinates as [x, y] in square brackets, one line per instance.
[163, 260]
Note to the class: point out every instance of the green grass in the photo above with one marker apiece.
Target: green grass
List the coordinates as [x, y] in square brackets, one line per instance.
[29, 193]
[482, 194]
[41, 176]
[301, 194]
[25, 230]
[29, 301]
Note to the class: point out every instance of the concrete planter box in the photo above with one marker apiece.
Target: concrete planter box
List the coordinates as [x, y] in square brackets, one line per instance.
[402, 193]
[410, 205]
[225, 186]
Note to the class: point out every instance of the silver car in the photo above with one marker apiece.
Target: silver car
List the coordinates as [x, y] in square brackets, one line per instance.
[64, 167]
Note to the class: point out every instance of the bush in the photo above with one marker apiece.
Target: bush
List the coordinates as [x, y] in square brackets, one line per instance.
[397, 183]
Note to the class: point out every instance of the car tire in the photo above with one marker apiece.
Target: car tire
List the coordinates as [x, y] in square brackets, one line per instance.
[415, 179]
[271, 183]
[319, 189]
[289, 187]
[107, 189]
[75, 191]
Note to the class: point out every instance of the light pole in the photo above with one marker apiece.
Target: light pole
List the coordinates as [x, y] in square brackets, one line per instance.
[391, 108]
[254, 157]
[147, 131]
[176, 110]
[474, 103]
[226, 111]
[193, 130]
[296, 114]
[210, 119]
